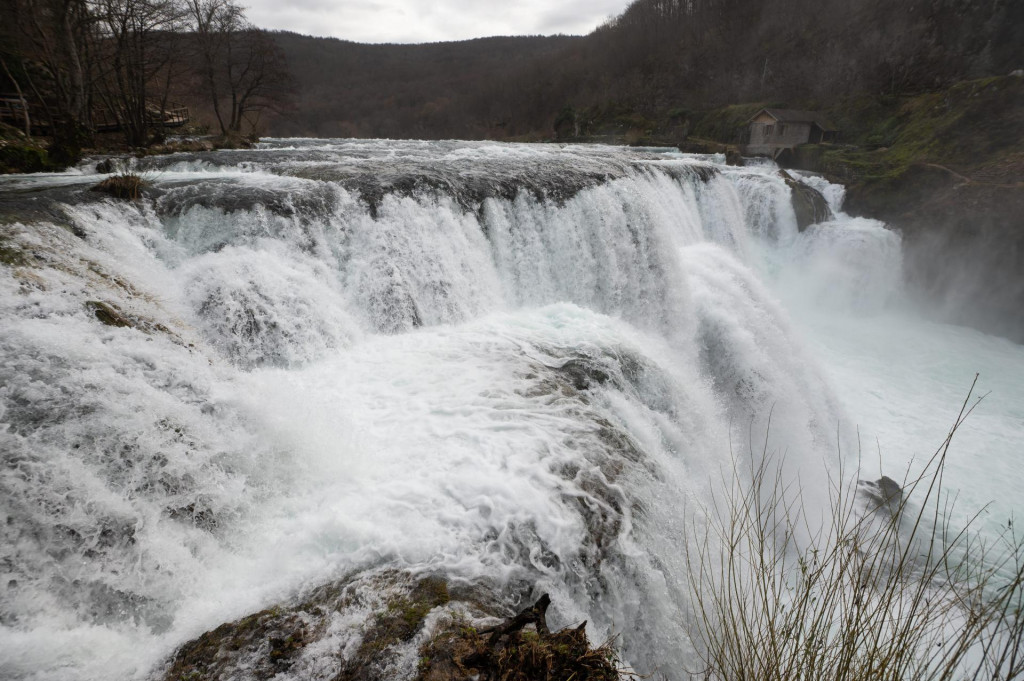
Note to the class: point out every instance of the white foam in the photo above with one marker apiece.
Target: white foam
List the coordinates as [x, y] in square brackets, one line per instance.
[315, 384]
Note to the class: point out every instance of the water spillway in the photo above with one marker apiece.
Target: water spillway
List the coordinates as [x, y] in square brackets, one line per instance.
[521, 365]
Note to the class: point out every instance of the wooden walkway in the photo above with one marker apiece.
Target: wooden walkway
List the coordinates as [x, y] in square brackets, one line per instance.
[14, 108]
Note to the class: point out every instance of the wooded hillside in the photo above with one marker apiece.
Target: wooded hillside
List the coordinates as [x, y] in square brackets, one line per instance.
[658, 59]
[489, 87]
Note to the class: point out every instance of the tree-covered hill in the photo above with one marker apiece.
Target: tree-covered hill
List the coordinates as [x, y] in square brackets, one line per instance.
[657, 57]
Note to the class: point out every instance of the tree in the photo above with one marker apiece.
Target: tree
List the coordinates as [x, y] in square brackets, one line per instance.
[51, 41]
[243, 70]
[140, 42]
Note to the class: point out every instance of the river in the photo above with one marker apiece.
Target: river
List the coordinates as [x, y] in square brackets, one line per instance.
[530, 364]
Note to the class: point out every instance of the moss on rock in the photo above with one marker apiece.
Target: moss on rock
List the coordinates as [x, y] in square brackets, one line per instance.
[25, 157]
[273, 638]
[398, 623]
[388, 624]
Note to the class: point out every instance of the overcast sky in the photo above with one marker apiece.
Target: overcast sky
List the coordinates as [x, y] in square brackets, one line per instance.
[420, 21]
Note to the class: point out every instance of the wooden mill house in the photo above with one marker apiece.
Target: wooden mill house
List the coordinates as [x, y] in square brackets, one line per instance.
[773, 131]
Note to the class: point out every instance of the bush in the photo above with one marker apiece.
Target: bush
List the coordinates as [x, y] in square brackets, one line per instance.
[885, 591]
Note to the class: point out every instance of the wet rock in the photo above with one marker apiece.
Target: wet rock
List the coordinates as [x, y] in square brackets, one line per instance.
[389, 624]
[106, 166]
[25, 157]
[882, 493]
[364, 626]
[808, 203]
[12, 255]
[733, 157]
[112, 315]
[582, 373]
[267, 640]
[108, 314]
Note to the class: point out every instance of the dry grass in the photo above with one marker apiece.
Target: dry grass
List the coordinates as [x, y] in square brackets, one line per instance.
[122, 186]
[889, 592]
[520, 649]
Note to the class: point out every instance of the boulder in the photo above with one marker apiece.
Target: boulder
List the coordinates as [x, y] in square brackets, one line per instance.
[808, 203]
[882, 493]
[389, 624]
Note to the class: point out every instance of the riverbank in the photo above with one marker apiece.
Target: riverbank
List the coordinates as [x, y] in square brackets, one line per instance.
[23, 154]
[947, 170]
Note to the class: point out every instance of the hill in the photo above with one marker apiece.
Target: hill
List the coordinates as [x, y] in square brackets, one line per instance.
[484, 88]
[655, 64]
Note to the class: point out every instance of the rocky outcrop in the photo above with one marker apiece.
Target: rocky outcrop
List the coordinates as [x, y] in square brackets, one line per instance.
[884, 493]
[963, 242]
[392, 624]
[808, 203]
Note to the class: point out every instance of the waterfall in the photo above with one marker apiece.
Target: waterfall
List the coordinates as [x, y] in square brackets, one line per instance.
[525, 364]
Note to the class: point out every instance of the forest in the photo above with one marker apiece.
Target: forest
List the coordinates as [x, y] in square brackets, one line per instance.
[73, 69]
[79, 64]
[658, 60]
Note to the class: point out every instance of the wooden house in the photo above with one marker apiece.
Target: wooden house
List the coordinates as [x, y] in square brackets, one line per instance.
[772, 131]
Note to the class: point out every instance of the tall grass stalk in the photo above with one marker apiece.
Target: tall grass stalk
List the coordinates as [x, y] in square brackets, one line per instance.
[882, 588]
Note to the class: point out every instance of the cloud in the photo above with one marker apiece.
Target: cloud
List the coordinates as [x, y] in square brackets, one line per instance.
[416, 21]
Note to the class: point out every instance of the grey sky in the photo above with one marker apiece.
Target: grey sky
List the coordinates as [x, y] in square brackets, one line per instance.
[418, 21]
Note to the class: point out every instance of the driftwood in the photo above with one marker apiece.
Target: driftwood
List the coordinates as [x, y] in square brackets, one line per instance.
[536, 614]
[507, 652]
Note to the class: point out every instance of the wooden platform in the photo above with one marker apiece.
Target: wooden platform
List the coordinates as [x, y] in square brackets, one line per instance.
[13, 108]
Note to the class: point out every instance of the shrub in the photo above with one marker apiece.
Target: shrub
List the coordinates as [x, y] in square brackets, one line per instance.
[122, 186]
[887, 590]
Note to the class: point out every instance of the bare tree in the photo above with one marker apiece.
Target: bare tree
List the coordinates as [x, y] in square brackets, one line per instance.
[52, 39]
[140, 41]
[243, 70]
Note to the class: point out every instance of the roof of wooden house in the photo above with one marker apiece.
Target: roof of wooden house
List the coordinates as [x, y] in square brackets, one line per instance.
[795, 116]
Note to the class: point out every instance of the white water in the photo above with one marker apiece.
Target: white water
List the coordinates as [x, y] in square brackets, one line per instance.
[348, 374]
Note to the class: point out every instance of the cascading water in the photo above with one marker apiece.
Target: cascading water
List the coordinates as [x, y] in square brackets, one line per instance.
[515, 363]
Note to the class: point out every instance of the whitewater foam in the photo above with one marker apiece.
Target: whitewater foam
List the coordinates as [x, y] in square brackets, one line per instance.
[526, 364]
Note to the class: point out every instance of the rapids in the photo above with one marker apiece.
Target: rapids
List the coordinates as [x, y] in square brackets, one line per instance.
[528, 364]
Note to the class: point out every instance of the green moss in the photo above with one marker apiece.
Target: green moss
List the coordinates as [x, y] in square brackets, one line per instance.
[399, 623]
[405, 614]
[205, 657]
[24, 157]
[970, 123]
[727, 124]
[12, 256]
[905, 152]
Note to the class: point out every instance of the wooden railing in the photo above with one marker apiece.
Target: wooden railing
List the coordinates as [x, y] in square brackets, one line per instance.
[172, 117]
[13, 108]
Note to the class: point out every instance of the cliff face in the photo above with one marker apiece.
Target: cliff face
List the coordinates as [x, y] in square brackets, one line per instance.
[963, 240]
[946, 169]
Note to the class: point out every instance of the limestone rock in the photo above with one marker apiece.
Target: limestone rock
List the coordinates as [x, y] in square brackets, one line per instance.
[808, 203]
[389, 624]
